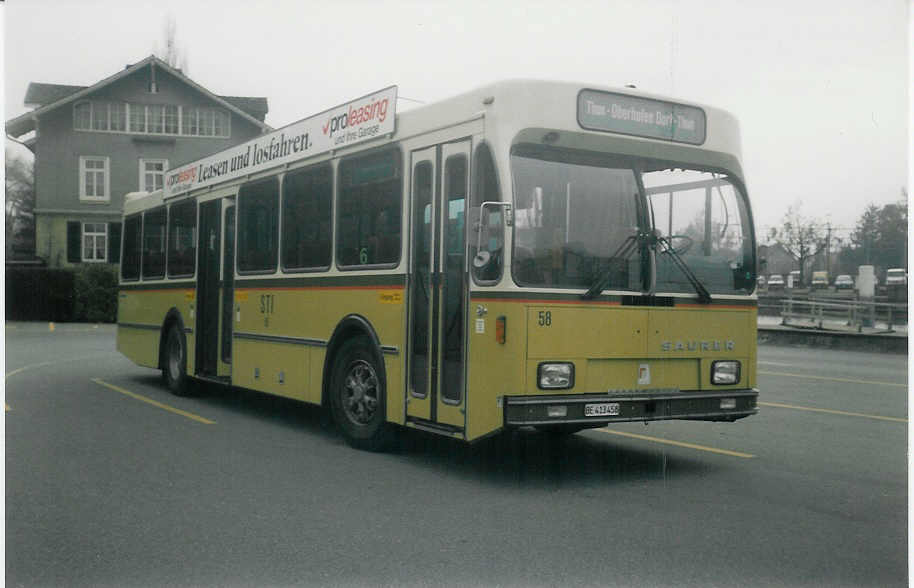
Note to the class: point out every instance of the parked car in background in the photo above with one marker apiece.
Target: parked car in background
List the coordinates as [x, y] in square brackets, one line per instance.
[844, 282]
[775, 282]
[896, 276]
[819, 280]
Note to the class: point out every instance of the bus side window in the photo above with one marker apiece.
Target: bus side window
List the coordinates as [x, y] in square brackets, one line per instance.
[485, 189]
[182, 246]
[369, 204]
[154, 243]
[306, 198]
[130, 260]
[258, 226]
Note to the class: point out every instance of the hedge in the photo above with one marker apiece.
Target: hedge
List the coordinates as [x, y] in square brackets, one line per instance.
[87, 293]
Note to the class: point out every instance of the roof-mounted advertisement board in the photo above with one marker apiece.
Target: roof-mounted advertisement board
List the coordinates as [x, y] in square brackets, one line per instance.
[363, 119]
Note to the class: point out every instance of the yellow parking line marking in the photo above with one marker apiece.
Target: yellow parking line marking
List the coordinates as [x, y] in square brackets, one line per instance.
[679, 444]
[873, 382]
[28, 367]
[45, 363]
[829, 411]
[155, 403]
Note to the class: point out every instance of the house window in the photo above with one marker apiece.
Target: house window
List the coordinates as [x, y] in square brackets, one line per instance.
[188, 120]
[99, 116]
[93, 178]
[204, 122]
[171, 120]
[157, 119]
[221, 123]
[82, 116]
[118, 113]
[95, 242]
[137, 118]
[152, 174]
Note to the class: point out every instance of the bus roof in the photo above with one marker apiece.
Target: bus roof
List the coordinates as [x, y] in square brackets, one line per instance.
[508, 106]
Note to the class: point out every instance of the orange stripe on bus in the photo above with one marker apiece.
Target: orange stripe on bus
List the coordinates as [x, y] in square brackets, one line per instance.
[533, 301]
[716, 306]
[320, 288]
[178, 290]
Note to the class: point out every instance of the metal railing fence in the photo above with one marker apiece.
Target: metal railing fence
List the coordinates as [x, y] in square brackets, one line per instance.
[856, 314]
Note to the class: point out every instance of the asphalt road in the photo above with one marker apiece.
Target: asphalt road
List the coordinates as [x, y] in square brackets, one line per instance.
[107, 485]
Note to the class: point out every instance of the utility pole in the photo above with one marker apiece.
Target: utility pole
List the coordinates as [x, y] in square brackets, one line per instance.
[828, 249]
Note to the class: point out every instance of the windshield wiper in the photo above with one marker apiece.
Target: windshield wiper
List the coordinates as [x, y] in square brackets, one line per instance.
[625, 250]
[703, 296]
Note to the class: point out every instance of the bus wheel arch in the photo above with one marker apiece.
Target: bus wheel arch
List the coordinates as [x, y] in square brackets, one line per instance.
[355, 350]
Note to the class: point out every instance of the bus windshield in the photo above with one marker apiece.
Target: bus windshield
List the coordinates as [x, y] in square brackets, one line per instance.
[705, 220]
[577, 216]
[573, 219]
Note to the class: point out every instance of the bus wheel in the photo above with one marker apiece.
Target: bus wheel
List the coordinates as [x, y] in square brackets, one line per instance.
[357, 397]
[174, 366]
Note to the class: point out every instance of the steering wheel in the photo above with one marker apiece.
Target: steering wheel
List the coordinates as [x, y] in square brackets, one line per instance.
[686, 244]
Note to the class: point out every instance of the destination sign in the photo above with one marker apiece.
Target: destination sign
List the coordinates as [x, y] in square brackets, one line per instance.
[641, 117]
[365, 118]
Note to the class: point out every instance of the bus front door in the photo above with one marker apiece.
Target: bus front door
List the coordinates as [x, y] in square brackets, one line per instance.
[438, 285]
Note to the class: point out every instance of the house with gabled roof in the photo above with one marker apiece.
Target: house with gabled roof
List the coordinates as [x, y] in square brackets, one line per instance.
[94, 144]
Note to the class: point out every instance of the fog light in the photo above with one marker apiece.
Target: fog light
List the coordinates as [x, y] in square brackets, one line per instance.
[727, 403]
[553, 376]
[725, 372]
[556, 411]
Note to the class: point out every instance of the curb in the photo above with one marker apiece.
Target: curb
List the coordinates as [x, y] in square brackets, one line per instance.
[832, 340]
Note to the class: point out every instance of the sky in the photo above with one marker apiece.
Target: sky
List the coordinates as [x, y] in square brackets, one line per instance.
[821, 88]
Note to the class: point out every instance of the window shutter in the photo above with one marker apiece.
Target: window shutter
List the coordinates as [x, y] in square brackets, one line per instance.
[114, 242]
[74, 242]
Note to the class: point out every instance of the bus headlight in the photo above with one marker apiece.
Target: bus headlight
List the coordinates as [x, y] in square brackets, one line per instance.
[725, 372]
[555, 376]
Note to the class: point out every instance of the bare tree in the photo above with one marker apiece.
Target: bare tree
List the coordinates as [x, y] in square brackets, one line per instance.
[800, 236]
[20, 200]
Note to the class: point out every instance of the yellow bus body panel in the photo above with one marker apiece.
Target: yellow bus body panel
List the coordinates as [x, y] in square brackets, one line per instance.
[494, 370]
[140, 316]
[310, 315]
[613, 348]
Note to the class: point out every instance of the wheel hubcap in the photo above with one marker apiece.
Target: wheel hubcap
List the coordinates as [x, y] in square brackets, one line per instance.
[360, 393]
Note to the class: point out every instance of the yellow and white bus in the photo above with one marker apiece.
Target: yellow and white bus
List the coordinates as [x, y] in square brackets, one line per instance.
[529, 253]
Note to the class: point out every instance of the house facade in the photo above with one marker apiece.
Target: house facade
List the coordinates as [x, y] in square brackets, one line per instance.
[94, 144]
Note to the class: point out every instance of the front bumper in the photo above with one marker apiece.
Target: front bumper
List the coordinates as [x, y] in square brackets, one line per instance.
[633, 405]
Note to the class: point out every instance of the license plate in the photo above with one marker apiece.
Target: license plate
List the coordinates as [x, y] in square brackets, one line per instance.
[603, 409]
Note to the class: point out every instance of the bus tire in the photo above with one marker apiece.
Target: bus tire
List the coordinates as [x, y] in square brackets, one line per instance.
[174, 362]
[358, 398]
